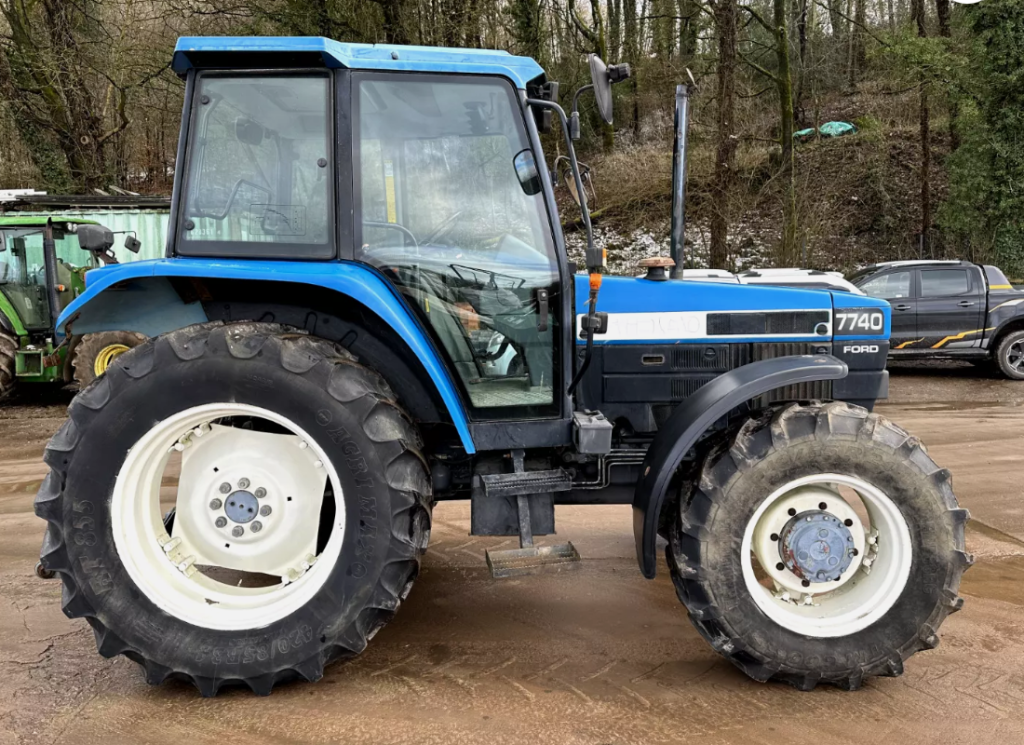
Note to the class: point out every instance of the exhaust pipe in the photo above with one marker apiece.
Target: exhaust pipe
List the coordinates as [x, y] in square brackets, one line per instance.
[677, 245]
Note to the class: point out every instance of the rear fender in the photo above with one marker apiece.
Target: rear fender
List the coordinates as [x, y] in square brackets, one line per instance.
[140, 296]
[694, 416]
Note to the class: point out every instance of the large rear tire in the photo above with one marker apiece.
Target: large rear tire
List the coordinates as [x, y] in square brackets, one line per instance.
[821, 545]
[304, 438]
[96, 352]
[8, 362]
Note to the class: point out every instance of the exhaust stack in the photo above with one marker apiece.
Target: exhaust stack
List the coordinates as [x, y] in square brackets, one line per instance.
[677, 245]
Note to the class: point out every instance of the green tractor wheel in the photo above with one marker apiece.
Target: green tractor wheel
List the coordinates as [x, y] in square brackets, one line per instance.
[8, 348]
[95, 352]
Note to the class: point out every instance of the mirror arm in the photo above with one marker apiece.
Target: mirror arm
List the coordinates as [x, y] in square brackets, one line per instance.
[593, 257]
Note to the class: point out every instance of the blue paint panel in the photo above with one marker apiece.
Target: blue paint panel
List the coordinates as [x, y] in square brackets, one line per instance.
[638, 295]
[355, 280]
[384, 57]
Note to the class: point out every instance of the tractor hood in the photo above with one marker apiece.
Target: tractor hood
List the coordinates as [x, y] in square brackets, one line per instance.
[643, 311]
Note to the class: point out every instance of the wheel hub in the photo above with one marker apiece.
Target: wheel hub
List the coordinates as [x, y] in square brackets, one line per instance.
[242, 507]
[816, 546]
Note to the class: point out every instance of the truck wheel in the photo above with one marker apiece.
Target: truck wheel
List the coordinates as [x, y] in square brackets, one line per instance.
[8, 361]
[301, 508]
[95, 352]
[1010, 355]
[821, 545]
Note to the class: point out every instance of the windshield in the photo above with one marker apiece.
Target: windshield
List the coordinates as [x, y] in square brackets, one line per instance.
[445, 216]
[23, 270]
[259, 167]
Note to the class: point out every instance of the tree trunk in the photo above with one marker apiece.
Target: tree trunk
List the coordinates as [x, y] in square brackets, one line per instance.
[835, 19]
[725, 150]
[917, 9]
[632, 44]
[798, 102]
[942, 10]
[615, 29]
[790, 217]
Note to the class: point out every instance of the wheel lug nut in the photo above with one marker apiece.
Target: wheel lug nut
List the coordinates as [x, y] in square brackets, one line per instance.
[221, 522]
[243, 483]
[216, 504]
[237, 531]
[265, 510]
[225, 488]
[256, 527]
[260, 493]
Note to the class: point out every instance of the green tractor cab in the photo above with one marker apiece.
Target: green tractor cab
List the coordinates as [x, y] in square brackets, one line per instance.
[43, 263]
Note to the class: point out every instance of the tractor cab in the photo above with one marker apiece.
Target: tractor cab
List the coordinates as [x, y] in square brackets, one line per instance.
[431, 180]
[23, 270]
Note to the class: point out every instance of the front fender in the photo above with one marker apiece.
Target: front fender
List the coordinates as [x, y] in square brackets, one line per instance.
[139, 297]
[694, 416]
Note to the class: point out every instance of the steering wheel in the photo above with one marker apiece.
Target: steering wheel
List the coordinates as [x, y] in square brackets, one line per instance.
[443, 229]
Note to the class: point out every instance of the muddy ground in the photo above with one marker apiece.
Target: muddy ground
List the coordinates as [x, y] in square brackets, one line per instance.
[595, 656]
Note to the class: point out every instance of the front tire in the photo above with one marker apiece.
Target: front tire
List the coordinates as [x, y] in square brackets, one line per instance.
[821, 545]
[302, 429]
[8, 364]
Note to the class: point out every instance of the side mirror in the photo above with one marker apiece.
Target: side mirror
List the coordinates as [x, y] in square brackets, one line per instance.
[248, 132]
[526, 169]
[95, 238]
[604, 77]
[132, 243]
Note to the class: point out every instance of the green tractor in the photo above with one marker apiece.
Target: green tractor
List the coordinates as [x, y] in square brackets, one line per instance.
[43, 263]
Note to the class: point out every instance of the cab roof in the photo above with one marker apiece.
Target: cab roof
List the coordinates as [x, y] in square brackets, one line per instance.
[263, 52]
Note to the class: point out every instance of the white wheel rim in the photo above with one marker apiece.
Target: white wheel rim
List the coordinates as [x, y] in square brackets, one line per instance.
[166, 567]
[866, 590]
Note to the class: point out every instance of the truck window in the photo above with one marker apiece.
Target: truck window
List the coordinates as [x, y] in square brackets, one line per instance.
[889, 286]
[259, 168]
[944, 282]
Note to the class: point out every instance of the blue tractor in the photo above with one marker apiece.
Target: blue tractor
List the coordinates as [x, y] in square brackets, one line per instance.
[367, 306]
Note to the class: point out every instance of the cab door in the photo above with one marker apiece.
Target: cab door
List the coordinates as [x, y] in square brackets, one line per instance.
[951, 307]
[897, 287]
[441, 211]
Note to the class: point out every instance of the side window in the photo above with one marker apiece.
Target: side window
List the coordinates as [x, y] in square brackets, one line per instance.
[259, 167]
[944, 282]
[889, 286]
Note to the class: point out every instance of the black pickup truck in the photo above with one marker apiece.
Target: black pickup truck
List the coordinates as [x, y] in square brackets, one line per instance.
[951, 310]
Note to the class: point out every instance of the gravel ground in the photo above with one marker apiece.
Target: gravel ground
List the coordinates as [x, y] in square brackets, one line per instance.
[596, 656]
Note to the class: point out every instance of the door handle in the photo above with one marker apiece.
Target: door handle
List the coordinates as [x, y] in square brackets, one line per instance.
[901, 306]
[965, 303]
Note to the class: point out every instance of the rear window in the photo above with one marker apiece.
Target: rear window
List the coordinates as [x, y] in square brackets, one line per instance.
[259, 167]
[944, 282]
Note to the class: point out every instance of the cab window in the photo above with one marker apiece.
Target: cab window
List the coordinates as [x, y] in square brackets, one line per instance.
[259, 168]
[889, 286]
[23, 271]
